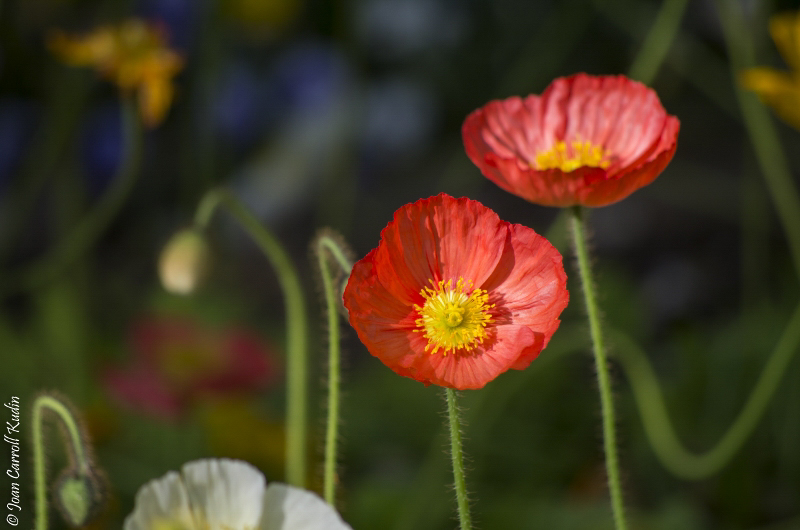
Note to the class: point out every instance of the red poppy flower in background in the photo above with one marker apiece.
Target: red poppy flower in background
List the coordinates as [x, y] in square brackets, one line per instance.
[178, 361]
[586, 140]
[454, 296]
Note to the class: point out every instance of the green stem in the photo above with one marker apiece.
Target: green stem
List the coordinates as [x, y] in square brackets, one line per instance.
[658, 41]
[336, 251]
[458, 461]
[603, 377]
[296, 324]
[421, 502]
[325, 243]
[91, 227]
[655, 418]
[77, 444]
[761, 130]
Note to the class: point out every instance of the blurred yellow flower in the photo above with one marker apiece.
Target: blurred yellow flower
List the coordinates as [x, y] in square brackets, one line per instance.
[780, 89]
[262, 19]
[133, 55]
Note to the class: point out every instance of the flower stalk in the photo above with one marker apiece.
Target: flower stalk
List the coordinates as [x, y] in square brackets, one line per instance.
[655, 418]
[601, 361]
[325, 245]
[456, 453]
[296, 324]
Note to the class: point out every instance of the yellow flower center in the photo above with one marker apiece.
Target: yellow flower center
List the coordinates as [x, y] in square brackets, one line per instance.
[570, 157]
[453, 318]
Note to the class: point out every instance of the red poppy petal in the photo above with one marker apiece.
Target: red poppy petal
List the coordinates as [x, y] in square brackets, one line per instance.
[456, 238]
[612, 190]
[623, 117]
[528, 286]
[462, 238]
[471, 370]
[384, 322]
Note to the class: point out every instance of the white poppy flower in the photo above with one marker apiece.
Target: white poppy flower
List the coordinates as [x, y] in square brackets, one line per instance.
[222, 494]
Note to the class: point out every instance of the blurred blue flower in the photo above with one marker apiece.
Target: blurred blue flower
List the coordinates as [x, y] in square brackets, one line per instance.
[101, 146]
[400, 118]
[178, 16]
[310, 76]
[314, 91]
[17, 122]
[394, 29]
[244, 106]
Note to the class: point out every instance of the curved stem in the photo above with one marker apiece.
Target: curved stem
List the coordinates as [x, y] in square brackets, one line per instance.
[296, 324]
[91, 227]
[336, 251]
[655, 418]
[656, 45]
[603, 377]
[457, 456]
[325, 243]
[77, 444]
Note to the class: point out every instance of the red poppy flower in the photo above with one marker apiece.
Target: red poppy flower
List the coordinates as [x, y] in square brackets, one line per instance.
[454, 296]
[586, 140]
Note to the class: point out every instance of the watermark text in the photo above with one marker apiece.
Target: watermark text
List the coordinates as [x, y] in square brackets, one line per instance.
[11, 437]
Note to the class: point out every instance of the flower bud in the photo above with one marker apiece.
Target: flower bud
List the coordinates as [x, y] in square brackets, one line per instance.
[78, 498]
[184, 261]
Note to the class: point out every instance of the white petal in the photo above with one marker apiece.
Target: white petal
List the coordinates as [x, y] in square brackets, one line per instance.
[225, 493]
[290, 508]
[164, 499]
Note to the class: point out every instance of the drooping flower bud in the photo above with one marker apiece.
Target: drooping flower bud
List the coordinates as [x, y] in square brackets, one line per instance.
[78, 497]
[184, 262]
[78, 493]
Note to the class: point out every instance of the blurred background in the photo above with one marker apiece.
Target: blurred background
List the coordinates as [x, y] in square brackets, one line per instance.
[334, 114]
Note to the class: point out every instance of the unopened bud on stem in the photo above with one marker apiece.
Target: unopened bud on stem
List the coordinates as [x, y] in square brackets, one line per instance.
[184, 262]
[78, 497]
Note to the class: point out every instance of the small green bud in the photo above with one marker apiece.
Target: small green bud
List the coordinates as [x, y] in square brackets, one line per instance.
[184, 262]
[77, 497]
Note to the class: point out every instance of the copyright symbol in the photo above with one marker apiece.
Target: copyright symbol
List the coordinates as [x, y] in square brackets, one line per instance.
[12, 519]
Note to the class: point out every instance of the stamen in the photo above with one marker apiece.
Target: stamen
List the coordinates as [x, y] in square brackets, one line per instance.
[570, 157]
[451, 319]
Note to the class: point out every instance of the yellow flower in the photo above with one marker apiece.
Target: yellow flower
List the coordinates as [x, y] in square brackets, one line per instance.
[133, 55]
[780, 89]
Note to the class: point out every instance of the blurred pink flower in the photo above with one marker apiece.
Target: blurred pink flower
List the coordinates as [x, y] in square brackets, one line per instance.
[178, 361]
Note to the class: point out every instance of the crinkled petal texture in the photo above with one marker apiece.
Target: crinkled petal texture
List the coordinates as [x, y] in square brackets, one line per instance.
[447, 239]
[222, 494]
[622, 118]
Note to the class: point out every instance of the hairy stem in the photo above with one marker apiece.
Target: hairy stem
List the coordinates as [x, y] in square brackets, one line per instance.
[77, 446]
[457, 456]
[603, 376]
[324, 245]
